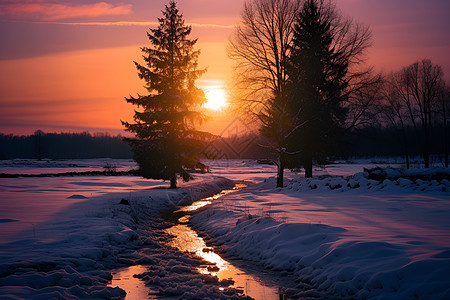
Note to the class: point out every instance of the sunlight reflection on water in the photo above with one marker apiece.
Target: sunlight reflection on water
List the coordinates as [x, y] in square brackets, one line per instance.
[135, 288]
[206, 201]
[187, 240]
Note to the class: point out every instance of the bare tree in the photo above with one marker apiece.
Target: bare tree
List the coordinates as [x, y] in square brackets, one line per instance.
[364, 95]
[419, 86]
[260, 47]
[395, 113]
[444, 105]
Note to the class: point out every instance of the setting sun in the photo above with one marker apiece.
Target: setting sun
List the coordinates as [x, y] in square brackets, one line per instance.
[216, 98]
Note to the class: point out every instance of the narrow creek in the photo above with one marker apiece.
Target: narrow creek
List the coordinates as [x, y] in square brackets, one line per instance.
[185, 239]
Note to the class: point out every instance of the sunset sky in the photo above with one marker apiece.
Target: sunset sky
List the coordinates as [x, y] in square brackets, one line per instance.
[67, 65]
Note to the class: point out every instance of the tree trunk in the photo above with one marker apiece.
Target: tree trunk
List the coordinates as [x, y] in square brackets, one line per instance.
[426, 145]
[39, 147]
[280, 173]
[173, 182]
[405, 147]
[426, 151]
[308, 169]
[308, 166]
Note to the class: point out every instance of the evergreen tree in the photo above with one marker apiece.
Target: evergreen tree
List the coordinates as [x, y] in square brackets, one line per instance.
[317, 77]
[166, 140]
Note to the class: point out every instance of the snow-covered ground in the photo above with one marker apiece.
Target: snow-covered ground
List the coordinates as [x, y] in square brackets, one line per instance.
[50, 166]
[27, 202]
[341, 236]
[84, 227]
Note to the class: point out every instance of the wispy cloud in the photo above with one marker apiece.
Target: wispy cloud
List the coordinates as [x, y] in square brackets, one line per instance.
[52, 11]
[136, 23]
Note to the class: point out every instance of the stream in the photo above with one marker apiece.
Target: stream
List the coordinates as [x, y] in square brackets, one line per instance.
[185, 239]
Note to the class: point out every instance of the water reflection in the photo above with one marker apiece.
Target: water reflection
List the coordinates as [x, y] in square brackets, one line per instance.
[135, 288]
[187, 240]
[206, 201]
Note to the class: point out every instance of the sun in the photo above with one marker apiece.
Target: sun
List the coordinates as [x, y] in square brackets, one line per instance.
[215, 98]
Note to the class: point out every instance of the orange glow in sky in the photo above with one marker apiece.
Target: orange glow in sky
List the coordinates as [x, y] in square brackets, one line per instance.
[66, 66]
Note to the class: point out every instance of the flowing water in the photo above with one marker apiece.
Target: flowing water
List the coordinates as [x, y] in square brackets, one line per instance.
[134, 287]
[186, 239]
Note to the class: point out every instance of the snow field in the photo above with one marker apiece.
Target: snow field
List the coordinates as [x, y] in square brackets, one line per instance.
[73, 253]
[26, 203]
[46, 166]
[383, 234]
[342, 237]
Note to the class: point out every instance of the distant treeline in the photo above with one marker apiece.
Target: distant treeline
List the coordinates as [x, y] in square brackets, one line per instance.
[374, 141]
[363, 142]
[392, 141]
[63, 145]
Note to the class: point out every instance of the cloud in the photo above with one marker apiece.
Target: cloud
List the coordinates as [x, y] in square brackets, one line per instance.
[53, 11]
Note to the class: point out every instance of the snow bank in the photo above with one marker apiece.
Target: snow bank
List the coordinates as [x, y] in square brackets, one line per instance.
[438, 173]
[424, 180]
[343, 237]
[71, 255]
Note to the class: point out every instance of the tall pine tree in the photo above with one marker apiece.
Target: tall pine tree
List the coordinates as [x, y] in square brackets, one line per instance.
[318, 79]
[166, 141]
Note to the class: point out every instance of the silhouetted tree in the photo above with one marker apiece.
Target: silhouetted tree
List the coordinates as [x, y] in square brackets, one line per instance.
[419, 86]
[166, 140]
[38, 134]
[42, 145]
[394, 112]
[325, 81]
[261, 46]
[445, 110]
